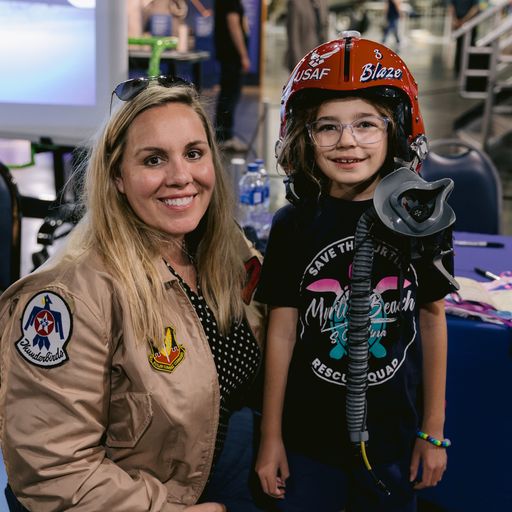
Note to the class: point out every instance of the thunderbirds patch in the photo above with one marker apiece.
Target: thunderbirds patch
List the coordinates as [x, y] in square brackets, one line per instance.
[46, 328]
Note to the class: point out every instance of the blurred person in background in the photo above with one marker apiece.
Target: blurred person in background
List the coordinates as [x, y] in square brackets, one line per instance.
[231, 51]
[306, 28]
[392, 20]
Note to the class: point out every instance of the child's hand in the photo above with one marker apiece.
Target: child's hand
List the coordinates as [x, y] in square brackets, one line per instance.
[272, 466]
[433, 463]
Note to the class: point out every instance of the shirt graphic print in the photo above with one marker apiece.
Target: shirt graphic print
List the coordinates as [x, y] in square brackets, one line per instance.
[323, 321]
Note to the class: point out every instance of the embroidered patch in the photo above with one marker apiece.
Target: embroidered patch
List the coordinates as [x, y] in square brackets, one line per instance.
[46, 327]
[253, 270]
[169, 355]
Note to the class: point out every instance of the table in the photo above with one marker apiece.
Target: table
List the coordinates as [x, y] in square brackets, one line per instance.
[195, 58]
[494, 259]
[479, 410]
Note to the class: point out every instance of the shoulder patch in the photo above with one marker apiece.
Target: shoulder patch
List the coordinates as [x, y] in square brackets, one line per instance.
[46, 326]
[253, 272]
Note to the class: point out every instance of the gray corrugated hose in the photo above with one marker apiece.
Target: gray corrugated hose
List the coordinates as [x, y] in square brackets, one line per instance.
[358, 330]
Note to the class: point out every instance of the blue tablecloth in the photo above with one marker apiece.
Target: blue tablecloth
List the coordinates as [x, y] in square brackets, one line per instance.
[479, 408]
[494, 259]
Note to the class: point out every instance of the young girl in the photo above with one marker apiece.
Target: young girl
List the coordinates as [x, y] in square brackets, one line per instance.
[350, 116]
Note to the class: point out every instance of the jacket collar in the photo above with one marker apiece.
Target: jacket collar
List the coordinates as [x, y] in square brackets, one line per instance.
[163, 271]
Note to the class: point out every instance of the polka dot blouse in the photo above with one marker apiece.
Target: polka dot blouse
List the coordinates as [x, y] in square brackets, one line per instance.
[236, 355]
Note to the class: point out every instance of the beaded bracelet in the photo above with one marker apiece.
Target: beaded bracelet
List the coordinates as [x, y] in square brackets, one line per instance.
[445, 443]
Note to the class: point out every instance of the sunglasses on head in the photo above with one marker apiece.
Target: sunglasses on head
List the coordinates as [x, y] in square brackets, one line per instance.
[129, 89]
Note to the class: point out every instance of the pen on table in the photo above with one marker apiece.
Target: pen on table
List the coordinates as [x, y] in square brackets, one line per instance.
[486, 273]
[478, 243]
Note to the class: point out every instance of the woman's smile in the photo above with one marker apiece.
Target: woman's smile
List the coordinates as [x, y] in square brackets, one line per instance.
[181, 202]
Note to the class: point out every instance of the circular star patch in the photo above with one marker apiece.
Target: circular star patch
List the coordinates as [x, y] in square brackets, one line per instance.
[46, 328]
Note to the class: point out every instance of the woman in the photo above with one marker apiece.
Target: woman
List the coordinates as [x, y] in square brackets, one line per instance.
[124, 355]
[350, 115]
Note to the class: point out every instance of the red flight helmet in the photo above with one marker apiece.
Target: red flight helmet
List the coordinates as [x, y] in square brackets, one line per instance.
[370, 70]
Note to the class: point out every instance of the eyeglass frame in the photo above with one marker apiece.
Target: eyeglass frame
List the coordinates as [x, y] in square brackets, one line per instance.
[309, 127]
[144, 81]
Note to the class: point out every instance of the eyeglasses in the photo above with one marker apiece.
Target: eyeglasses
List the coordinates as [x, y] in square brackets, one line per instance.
[327, 133]
[129, 89]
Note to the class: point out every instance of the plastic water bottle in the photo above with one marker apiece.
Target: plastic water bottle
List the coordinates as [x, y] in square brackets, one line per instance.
[251, 192]
[266, 216]
[237, 170]
[266, 182]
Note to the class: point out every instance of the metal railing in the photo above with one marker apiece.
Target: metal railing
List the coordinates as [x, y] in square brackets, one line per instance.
[496, 23]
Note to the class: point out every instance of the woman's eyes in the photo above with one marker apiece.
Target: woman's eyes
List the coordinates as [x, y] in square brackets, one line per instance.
[194, 154]
[153, 160]
[156, 160]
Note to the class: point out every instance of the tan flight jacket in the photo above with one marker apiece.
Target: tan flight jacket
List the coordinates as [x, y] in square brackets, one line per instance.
[105, 431]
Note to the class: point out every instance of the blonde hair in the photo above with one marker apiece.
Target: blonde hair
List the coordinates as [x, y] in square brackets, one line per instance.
[130, 248]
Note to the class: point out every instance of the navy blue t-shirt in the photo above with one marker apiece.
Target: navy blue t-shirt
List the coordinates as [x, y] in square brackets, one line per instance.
[225, 49]
[307, 266]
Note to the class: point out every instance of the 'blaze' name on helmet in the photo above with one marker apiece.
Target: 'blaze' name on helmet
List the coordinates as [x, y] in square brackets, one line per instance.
[378, 72]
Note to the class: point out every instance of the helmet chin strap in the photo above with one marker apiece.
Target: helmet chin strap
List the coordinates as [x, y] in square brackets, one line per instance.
[419, 150]
[291, 194]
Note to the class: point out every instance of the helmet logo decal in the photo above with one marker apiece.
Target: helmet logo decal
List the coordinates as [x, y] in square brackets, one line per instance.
[315, 60]
[378, 55]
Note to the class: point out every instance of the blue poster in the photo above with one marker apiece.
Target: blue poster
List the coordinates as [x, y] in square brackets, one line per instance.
[253, 13]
